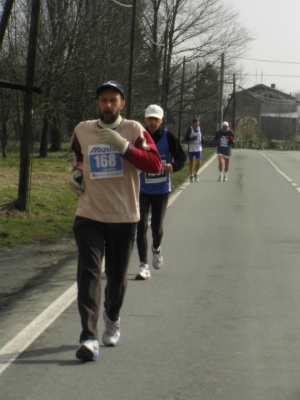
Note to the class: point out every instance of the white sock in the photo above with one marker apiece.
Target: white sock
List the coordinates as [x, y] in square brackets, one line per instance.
[156, 250]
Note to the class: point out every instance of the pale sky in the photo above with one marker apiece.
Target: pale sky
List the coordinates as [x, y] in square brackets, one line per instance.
[276, 26]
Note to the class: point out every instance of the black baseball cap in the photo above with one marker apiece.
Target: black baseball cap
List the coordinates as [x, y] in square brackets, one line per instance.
[110, 85]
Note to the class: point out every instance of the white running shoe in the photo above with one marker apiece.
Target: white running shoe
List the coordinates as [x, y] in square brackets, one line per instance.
[220, 178]
[157, 261]
[111, 335]
[225, 178]
[196, 179]
[144, 272]
[88, 350]
[192, 178]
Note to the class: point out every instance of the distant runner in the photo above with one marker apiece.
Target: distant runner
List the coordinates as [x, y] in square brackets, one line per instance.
[224, 140]
[194, 138]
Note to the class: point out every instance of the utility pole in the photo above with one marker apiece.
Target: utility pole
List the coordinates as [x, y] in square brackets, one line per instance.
[26, 141]
[163, 90]
[233, 104]
[132, 41]
[181, 100]
[220, 113]
[4, 19]
[197, 108]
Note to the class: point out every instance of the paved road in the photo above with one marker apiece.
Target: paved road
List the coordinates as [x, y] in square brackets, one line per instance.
[220, 320]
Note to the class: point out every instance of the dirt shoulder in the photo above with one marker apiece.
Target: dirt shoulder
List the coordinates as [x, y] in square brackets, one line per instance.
[24, 267]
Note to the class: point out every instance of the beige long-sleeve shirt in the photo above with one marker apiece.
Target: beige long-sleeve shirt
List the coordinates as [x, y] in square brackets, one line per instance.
[111, 181]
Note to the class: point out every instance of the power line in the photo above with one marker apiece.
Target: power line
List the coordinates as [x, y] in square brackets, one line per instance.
[279, 62]
[146, 34]
[282, 76]
[121, 4]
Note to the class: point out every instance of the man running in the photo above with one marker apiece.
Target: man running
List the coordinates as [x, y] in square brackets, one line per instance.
[224, 140]
[109, 153]
[194, 138]
[155, 189]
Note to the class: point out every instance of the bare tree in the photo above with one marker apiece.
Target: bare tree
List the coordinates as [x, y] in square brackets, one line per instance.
[4, 117]
[84, 42]
[200, 31]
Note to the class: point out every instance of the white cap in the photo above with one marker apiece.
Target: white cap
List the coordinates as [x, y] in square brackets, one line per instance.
[225, 123]
[154, 111]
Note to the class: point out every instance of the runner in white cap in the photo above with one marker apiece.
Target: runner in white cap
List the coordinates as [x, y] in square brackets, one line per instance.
[155, 189]
[224, 140]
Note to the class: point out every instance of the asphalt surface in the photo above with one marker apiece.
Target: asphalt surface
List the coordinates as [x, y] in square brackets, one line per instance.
[28, 266]
[220, 320]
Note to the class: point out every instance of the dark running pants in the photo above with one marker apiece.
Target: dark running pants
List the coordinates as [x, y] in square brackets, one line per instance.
[158, 203]
[92, 239]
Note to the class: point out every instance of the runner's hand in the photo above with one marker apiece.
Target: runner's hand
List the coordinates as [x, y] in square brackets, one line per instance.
[113, 139]
[76, 182]
[231, 138]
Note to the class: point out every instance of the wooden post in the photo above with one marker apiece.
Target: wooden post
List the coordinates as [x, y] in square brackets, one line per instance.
[220, 114]
[181, 100]
[132, 42]
[4, 19]
[26, 141]
[233, 104]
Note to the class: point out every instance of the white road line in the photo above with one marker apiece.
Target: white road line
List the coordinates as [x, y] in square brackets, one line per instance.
[174, 195]
[22, 340]
[278, 169]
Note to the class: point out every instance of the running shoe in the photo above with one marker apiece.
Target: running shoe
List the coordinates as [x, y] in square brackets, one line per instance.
[157, 261]
[144, 272]
[192, 178]
[88, 350]
[225, 178]
[196, 178]
[111, 335]
[220, 178]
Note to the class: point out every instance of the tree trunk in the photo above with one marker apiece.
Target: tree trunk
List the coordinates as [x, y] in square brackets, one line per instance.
[23, 201]
[44, 138]
[4, 140]
[55, 136]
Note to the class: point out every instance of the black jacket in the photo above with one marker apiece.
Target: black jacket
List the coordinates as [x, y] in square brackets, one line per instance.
[176, 151]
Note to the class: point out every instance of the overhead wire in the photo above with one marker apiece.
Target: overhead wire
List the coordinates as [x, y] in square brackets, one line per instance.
[121, 4]
[282, 76]
[270, 61]
[146, 34]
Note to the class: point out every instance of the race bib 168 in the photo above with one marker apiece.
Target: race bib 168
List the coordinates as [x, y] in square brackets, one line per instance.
[104, 161]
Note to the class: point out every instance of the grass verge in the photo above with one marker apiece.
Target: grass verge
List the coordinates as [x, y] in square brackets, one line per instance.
[52, 203]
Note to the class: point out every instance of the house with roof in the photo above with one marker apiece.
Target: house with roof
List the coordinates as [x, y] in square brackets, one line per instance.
[263, 112]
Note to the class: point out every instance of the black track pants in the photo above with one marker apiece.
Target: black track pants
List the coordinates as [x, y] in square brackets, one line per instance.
[93, 238]
[158, 203]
